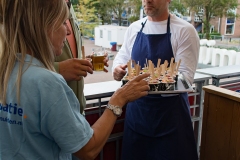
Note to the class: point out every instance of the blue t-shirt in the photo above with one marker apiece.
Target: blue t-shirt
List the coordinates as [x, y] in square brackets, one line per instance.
[46, 124]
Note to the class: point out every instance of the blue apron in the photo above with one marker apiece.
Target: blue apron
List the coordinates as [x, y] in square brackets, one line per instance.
[156, 127]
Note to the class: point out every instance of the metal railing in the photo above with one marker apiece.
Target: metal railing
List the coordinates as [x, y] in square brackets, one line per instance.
[98, 95]
[96, 103]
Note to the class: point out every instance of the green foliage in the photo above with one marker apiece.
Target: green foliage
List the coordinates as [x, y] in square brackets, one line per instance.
[136, 6]
[217, 8]
[74, 2]
[87, 17]
[133, 19]
[103, 10]
[228, 48]
[76, 8]
[176, 5]
[117, 7]
[88, 30]
[213, 35]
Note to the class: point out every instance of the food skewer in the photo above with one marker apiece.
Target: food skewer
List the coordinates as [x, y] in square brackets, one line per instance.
[83, 52]
[166, 63]
[171, 62]
[159, 62]
[129, 68]
[146, 64]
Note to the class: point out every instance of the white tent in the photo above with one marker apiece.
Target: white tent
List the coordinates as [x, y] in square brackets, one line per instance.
[105, 34]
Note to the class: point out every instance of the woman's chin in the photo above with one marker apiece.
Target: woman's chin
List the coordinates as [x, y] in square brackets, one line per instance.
[58, 53]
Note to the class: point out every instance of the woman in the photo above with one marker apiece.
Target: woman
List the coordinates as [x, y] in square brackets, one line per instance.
[39, 113]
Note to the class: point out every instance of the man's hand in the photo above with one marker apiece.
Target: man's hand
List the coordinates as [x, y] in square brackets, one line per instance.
[74, 69]
[119, 72]
[105, 61]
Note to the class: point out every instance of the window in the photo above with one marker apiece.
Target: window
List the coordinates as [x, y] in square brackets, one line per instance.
[230, 23]
[200, 10]
[230, 20]
[229, 28]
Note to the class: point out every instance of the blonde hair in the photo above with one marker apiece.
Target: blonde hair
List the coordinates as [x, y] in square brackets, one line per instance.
[24, 28]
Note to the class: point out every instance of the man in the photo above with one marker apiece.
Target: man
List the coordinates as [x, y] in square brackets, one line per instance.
[70, 65]
[159, 126]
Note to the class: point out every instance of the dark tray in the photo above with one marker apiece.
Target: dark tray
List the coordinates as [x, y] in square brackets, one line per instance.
[181, 86]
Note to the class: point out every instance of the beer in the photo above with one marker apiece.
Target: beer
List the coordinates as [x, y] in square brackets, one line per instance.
[98, 64]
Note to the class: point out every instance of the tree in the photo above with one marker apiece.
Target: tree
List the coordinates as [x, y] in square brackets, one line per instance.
[103, 10]
[177, 6]
[136, 6]
[87, 17]
[190, 4]
[217, 8]
[74, 2]
[117, 7]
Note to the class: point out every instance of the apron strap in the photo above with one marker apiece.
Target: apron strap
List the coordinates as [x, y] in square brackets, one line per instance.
[168, 24]
[143, 24]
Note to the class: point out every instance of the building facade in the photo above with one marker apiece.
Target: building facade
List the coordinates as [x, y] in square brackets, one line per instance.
[226, 26]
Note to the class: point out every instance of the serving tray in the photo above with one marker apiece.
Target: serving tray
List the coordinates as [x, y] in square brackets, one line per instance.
[181, 86]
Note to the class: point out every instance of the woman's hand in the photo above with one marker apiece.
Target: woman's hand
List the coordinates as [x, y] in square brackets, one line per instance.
[131, 91]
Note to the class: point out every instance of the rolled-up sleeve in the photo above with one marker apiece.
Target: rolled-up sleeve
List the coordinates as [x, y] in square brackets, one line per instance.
[186, 48]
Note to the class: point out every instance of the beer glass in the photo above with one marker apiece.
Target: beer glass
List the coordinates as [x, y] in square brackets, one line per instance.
[97, 60]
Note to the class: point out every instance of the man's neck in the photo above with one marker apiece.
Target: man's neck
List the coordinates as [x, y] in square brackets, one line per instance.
[159, 18]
